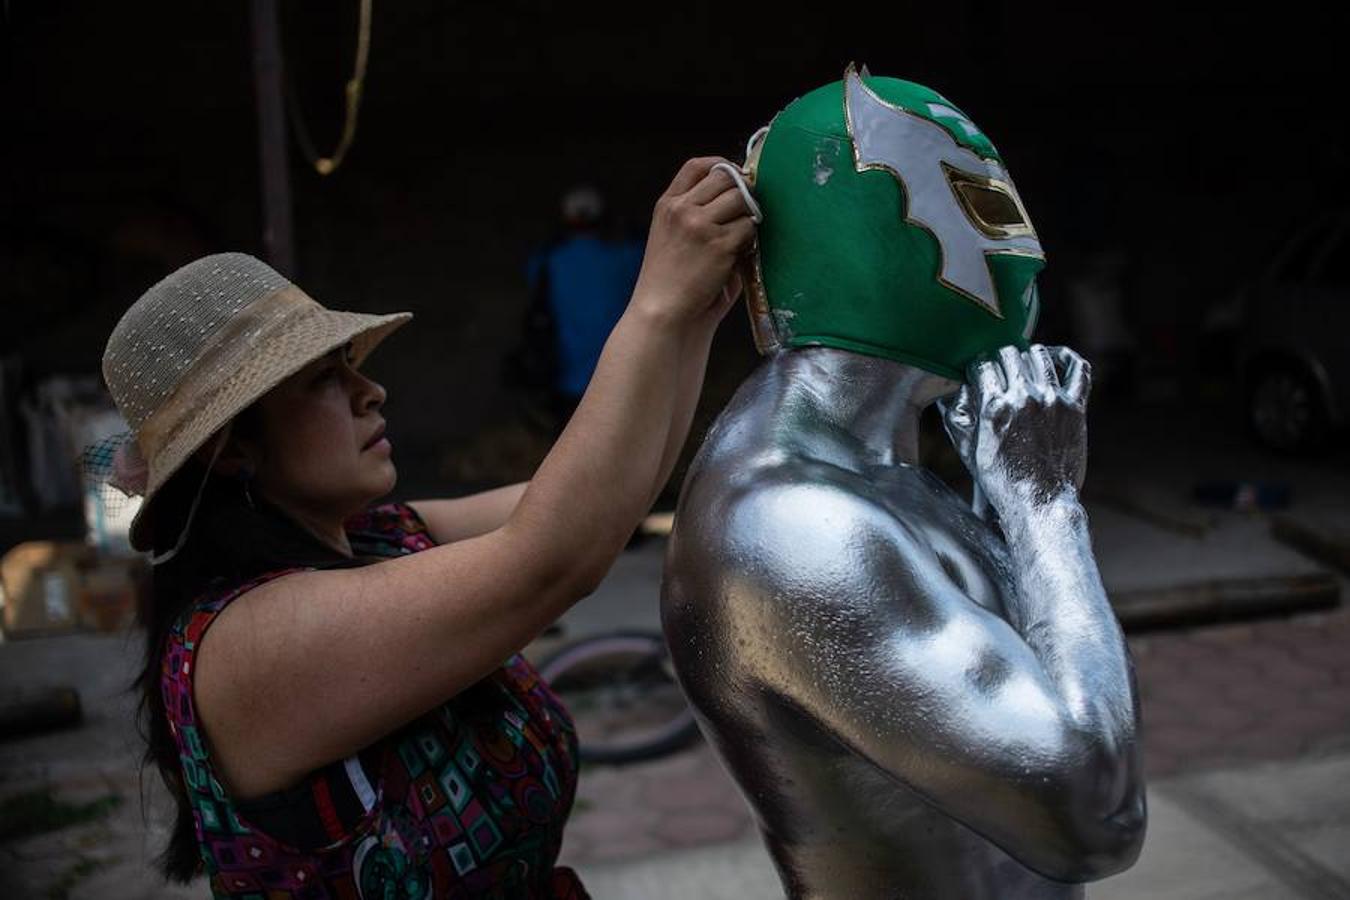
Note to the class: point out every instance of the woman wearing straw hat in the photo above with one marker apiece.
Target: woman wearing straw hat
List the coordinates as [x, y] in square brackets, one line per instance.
[347, 727]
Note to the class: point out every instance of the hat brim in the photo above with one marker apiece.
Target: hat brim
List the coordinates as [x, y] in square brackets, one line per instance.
[321, 333]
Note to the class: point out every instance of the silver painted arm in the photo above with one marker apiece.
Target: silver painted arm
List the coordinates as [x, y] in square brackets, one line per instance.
[1024, 734]
[1022, 728]
[1021, 429]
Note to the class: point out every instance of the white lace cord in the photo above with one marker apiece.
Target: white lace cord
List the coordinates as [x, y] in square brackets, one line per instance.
[160, 558]
[756, 214]
[754, 139]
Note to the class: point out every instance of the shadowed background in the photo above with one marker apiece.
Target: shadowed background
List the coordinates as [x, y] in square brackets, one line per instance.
[1193, 140]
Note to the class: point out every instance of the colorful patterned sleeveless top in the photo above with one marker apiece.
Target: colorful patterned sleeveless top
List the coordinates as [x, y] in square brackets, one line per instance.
[467, 801]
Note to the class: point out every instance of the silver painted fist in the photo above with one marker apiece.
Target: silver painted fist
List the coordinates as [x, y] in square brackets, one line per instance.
[1020, 425]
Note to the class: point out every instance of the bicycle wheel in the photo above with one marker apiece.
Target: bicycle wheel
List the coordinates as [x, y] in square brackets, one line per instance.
[623, 696]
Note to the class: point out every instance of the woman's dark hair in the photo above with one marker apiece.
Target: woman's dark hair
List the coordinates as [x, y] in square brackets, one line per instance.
[235, 536]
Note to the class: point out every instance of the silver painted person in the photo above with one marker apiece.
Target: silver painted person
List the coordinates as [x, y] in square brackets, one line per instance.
[918, 700]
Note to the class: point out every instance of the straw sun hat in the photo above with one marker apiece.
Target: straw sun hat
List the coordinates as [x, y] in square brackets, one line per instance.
[200, 347]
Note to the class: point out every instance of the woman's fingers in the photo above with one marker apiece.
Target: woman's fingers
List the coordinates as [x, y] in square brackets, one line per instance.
[731, 292]
[739, 234]
[711, 185]
[693, 246]
[732, 289]
[728, 206]
[691, 174]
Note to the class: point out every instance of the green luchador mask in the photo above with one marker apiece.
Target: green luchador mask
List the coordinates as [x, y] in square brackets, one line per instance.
[890, 228]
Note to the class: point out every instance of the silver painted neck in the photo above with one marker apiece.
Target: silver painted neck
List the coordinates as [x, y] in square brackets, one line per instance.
[870, 406]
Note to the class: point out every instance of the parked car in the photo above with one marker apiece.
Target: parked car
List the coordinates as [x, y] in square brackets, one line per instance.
[1293, 339]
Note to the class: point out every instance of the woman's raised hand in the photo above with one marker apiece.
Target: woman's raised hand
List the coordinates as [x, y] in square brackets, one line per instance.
[699, 228]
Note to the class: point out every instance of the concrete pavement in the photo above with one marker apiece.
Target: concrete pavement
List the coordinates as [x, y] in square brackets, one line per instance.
[1279, 831]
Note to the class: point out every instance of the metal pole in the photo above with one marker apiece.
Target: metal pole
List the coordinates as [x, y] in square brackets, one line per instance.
[278, 233]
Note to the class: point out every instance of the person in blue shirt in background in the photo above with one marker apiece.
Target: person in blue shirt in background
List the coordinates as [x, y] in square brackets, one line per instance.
[579, 287]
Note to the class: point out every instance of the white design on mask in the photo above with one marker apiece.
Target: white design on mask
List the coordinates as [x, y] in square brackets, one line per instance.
[914, 149]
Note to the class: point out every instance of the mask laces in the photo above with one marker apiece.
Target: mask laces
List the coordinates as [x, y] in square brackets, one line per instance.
[756, 214]
[755, 139]
[738, 175]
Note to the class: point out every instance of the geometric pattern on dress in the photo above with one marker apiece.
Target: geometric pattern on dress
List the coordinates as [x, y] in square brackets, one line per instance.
[471, 797]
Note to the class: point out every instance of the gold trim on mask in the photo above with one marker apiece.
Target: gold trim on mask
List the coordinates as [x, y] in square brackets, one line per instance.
[762, 326]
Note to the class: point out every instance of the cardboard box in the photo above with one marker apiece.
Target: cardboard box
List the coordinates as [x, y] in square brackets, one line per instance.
[109, 591]
[41, 581]
[52, 587]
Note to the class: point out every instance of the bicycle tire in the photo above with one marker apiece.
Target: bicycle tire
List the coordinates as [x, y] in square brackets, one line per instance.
[610, 659]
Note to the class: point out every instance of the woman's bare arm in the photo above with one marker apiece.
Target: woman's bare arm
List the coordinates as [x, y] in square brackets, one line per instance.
[453, 519]
[314, 666]
[693, 367]
[458, 518]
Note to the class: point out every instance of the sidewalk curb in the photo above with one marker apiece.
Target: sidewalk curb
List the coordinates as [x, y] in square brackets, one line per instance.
[1225, 600]
[1334, 550]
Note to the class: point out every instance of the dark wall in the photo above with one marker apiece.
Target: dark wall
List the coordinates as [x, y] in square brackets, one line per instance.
[1194, 139]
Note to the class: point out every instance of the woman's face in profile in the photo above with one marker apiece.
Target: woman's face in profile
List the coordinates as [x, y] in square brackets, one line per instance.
[321, 448]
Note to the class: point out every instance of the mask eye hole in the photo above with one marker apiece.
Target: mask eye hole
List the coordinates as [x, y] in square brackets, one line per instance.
[991, 206]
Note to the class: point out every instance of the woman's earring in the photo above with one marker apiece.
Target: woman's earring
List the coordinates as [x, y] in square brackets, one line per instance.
[245, 479]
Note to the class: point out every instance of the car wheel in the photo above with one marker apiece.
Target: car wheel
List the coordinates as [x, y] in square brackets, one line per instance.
[1285, 409]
